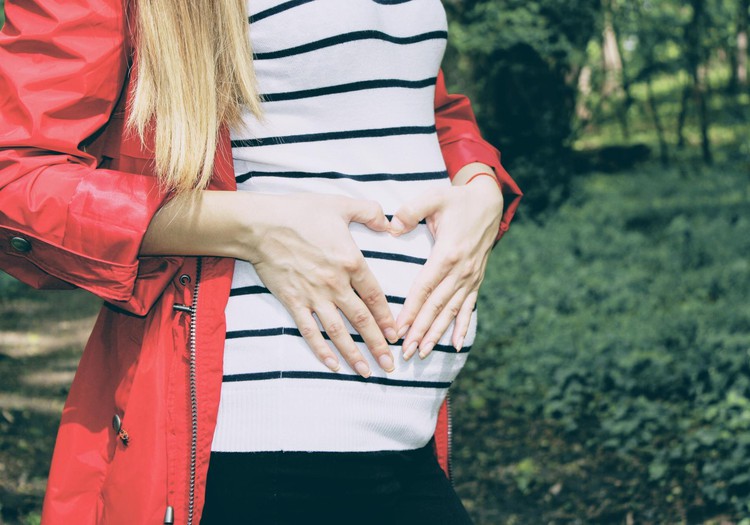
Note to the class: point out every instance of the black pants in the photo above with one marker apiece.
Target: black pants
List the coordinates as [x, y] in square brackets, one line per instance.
[300, 488]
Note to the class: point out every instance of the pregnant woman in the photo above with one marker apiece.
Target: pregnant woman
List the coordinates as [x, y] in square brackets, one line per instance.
[278, 224]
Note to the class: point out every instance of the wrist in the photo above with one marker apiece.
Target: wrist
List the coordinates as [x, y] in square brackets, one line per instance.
[462, 176]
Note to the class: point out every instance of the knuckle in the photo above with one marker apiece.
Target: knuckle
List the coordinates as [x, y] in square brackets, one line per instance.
[360, 317]
[329, 278]
[453, 310]
[428, 288]
[308, 331]
[452, 258]
[371, 297]
[436, 307]
[468, 271]
[352, 264]
[336, 329]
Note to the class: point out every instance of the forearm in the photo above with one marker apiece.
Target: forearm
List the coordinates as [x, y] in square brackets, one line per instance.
[215, 223]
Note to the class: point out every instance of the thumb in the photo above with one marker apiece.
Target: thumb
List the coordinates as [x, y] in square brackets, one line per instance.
[408, 216]
[369, 213]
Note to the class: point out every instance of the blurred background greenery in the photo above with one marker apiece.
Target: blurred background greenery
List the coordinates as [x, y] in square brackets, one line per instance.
[611, 379]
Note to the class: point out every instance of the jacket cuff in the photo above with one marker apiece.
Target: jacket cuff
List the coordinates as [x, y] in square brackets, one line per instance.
[105, 215]
[459, 153]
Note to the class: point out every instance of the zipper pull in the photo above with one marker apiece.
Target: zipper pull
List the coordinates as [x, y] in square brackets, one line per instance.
[169, 516]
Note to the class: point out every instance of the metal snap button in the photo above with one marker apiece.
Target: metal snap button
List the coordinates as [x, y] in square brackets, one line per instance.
[20, 244]
[116, 423]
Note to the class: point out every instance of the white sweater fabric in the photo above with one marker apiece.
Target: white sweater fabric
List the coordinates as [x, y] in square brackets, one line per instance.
[348, 89]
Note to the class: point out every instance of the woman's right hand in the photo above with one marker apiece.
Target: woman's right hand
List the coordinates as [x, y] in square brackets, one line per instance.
[303, 252]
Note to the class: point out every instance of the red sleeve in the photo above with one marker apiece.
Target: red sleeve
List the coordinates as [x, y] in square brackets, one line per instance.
[64, 222]
[461, 143]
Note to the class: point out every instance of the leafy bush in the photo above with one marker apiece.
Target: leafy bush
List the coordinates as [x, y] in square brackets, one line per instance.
[622, 327]
[520, 61]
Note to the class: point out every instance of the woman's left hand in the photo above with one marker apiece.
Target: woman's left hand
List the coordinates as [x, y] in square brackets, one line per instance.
[464, 221]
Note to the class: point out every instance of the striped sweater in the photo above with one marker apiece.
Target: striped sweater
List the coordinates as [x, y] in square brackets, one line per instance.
[348, 95]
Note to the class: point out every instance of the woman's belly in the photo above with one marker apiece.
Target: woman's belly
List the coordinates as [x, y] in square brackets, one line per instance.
[277, 395]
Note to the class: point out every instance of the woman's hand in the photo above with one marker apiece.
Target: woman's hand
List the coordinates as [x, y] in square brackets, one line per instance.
[464, 221]
[303, 252]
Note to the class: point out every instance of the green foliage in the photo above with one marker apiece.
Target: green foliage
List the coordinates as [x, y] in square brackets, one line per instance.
[10, 288]
[622, 326]
[521, 59]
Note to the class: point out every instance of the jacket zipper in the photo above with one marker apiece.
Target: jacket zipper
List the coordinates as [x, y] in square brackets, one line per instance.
[193, 393]
[450, 439]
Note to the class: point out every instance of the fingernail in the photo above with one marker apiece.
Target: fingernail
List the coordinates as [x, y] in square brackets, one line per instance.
[391, 335]
[425, 350]
[362, 369]
[396, 226]
[331, 363]
[403, 331]
[459, 344]
[410, 350]
[386, 363]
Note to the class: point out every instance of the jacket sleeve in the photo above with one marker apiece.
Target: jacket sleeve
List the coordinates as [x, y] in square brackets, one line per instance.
[63, 222]
[461, 143]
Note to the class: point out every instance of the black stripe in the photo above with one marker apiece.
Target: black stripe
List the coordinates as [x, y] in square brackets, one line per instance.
[335, 135]
[257, 290]
[393, 257]
[349, 87]
[249, 290]
[276, 9]
[394, 299]
[365, 177]
[390, 2]
[271, 332]
[264, 376]
[367, 34]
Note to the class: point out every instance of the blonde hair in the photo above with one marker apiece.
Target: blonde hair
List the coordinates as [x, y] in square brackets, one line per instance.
[194, 75]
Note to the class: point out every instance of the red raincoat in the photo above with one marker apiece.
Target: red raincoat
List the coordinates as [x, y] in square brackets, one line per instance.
[76, 196]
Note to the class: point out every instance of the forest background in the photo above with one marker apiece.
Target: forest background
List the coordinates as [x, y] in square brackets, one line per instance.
[610, 382]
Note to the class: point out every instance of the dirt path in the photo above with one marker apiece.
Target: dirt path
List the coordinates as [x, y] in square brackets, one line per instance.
[42, 335]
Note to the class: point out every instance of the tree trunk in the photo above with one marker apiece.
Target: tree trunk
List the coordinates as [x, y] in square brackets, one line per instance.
[663, 146]
[701, 83]
[695, 58]
[611, 58]
[584, 92]
[733, 85]
[627, 103]
[682, 117]
[742, 36]
[613, 86]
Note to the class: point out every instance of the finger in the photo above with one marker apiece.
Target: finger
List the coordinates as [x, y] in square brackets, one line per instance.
[408, 215]
[369, 213]
[442, 322]
[430, 276]
[311, 333]
[364, 323]
[339, 335]
[366, 285]
[426, 317]
[463, 320]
